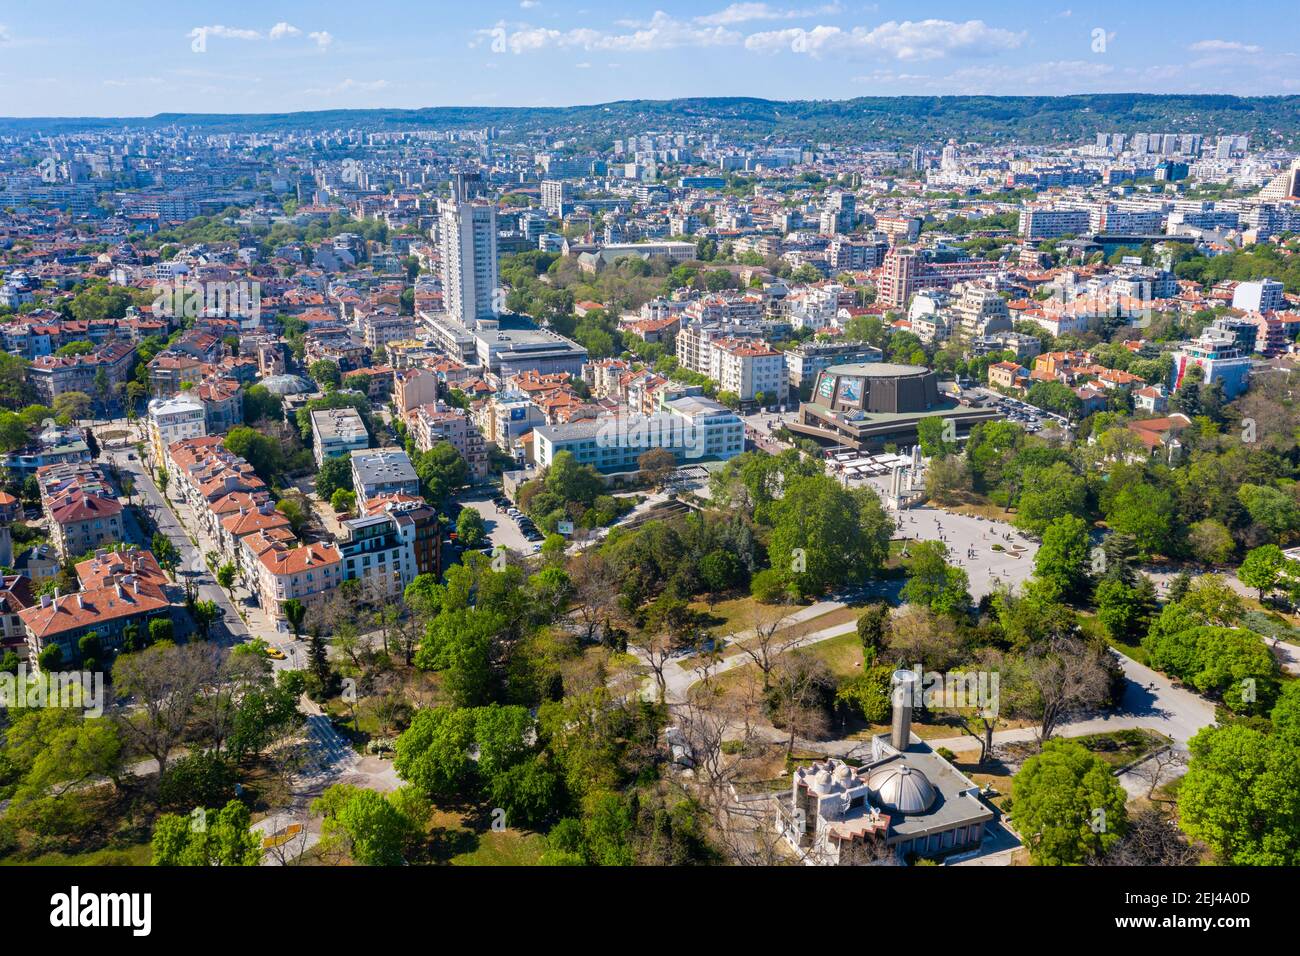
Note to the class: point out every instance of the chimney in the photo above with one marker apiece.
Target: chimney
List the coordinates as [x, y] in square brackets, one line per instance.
[56, 595]
[903, 694]
[80, 603]
[46, 601]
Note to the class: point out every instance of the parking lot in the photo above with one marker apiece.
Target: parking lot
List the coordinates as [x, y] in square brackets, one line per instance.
[1030, 417]
[502, 530]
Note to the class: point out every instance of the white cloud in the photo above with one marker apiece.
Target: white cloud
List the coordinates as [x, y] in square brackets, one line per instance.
[282, 29]
[745, 12]
[322, 38]
[1224, 46]
[529, 4]
[5, 35]
[909, 40]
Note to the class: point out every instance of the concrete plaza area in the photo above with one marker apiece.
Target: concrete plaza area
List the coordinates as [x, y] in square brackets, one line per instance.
[971, 542]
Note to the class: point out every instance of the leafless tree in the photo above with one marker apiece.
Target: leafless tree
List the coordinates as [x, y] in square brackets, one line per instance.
[1161, 766]
[802, 684]
[1012, 696]
[164, 683]
[670, 629]
[1151, 839]
[286, 846]
[595, 590]
[408, 631]
[742, 829]
[769, 638]
[919, 636]
[236, 675]
[1068, 677]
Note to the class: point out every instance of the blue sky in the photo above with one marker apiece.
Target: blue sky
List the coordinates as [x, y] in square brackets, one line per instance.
[139, 57]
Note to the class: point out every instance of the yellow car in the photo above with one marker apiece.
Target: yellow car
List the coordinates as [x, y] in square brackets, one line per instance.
[274, 653]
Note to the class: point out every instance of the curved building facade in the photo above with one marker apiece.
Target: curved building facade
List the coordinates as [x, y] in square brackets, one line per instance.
[865, 405]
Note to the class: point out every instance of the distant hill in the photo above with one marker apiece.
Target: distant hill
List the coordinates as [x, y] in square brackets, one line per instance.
[871, 119]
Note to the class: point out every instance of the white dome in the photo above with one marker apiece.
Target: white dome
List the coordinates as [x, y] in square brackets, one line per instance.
[900, 788]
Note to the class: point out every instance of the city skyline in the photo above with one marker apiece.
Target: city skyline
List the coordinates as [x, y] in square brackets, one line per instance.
[238, 57]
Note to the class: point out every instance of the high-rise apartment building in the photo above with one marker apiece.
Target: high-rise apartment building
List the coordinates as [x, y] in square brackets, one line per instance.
[469, 262]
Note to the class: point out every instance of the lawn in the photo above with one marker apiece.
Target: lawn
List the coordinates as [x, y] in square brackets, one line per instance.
[821, 622]
[138, 854]
[460, 838]
[843, 654]
[503, 848]
[1119, 748]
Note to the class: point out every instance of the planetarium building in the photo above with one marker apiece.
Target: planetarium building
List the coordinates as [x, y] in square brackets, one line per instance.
[866, 405]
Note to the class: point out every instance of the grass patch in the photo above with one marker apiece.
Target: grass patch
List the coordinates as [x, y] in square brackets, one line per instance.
[1119, 748]
[843, 654]
[504, 848]
[799, 629]
[139, 854]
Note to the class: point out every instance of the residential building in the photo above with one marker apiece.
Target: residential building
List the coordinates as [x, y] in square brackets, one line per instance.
[383, 471]
[469, 262]
[337, 432]
[305, 573]
[433, 423]
[692, 428]
[1262, 296]
[121, 592]
[807, 359]
[172, 419]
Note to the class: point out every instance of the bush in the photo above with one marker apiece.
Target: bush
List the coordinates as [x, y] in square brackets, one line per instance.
[867, 694]
[769, 587]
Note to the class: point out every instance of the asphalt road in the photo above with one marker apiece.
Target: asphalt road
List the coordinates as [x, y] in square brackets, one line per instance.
[191, 566]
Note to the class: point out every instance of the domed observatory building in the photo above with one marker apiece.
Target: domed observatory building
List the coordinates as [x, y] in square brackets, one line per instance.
[907, 801]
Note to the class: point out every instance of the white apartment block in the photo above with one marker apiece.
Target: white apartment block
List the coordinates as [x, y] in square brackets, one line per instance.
[171, 419]
[469, 262]
[748, 368]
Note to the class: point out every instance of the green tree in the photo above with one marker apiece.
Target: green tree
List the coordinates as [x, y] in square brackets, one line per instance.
[1262, 568]
[372, 829]
[471, 530]
[868, 694]
[1125, 611]
[207, 838]
[261, 451]
[326, 374]
[1067, 805]
[334, 473]
[1049, 493]
[433, 753]
[933, 583]
[823, 536]
[1241, 795]
[1062, 560]
[1146, 513]
[294, 613]
[873, 630]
